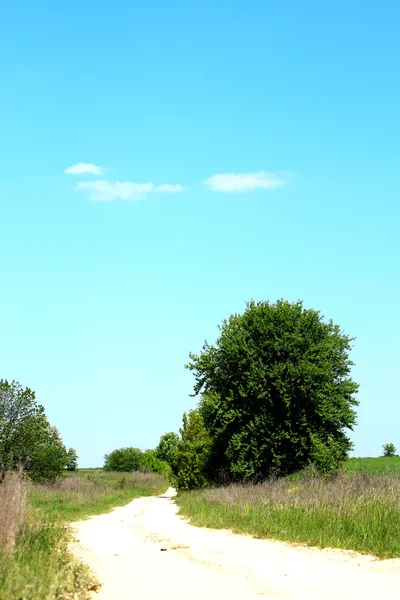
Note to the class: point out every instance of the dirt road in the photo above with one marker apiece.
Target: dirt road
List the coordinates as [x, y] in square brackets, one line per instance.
[146, 551]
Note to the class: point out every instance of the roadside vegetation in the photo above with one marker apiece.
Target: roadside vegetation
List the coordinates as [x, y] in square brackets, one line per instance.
[356, 511]
[35, 563]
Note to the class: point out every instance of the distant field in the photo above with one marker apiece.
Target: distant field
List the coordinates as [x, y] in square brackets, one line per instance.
[378, 466]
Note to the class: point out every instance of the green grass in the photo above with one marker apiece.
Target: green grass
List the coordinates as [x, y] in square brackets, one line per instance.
[355, 511]
[83, 494]
[41, 567]
[381, 465]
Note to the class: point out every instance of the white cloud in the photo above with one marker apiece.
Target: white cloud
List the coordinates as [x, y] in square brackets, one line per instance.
[169, 188]
[243, 182]
[124, 190]
[83, 168]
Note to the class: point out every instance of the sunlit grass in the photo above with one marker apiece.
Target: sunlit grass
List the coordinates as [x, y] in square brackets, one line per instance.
[353, 511]
[381, 465]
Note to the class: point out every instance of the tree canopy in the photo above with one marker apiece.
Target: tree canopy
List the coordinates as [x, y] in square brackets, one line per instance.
[167, 446]
[26, 434]
[192, 452]
[389, 449]
[133, 459]
[72, 460]
[123, 459]
[276, 392]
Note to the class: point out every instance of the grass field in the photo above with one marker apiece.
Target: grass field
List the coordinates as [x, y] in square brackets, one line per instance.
[357, 510]
[381, 465]
[35, 562]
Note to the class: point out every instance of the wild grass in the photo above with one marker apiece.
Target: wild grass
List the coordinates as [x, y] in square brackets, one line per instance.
[81, 494]
[353, 511]
[12, 504]
[40, 567]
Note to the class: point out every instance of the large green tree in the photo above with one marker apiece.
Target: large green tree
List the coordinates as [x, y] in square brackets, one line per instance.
[276, 392]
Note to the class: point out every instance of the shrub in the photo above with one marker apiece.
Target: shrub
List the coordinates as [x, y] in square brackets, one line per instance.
[192, 454]
[167, 446]
[47, 463]
[124, 460]
[151, 464]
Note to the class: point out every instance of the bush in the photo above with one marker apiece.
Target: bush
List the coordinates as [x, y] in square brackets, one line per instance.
[192, 453]
[167, 447]
[124, 460]
[151, 464]
[47, 464]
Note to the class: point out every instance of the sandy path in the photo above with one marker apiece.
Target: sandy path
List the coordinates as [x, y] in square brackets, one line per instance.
[125, 549]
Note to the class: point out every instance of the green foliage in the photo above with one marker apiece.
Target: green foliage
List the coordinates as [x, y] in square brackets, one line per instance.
[389, 450]
[47, 463]
[23, 424]
[27, 436]
[192, 453]
[150, 463]
[326, 453]
[72, 460]
[133, 459]
[123, 459]
[276, 393]
[167, 447]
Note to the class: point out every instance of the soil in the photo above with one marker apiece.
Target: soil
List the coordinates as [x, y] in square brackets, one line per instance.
[145, 550]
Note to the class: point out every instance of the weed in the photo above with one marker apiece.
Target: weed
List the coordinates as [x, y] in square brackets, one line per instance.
[12, 502]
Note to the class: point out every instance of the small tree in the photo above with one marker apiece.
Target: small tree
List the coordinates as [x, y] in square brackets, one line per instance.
[47, 463]
[389, 450]
[192, 454]
[26, 435]
[124, 460]
[23, 425]
[167, 447]
[72, 460]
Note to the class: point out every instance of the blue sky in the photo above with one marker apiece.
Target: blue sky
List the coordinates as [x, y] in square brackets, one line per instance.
[219, 152]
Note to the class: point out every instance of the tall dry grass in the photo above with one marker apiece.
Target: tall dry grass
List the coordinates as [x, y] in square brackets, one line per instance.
[308, 492]
[354, 511]
[82, 494]
[12, 504]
